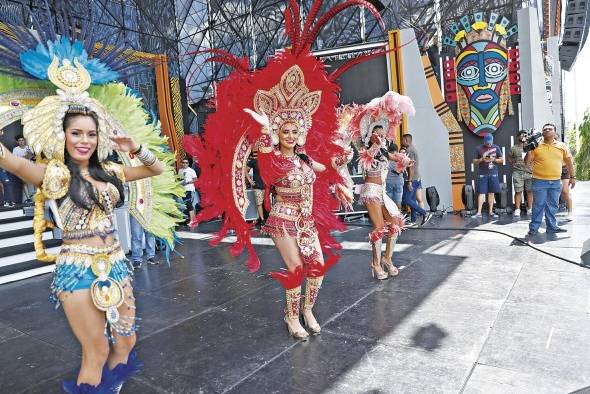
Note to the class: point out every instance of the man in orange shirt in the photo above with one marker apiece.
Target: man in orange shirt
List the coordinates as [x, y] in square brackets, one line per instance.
[547, 160]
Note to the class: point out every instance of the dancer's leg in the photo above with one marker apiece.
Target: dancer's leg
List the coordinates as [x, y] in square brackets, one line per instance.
[375, 237]
[289, 251]
[87, 324]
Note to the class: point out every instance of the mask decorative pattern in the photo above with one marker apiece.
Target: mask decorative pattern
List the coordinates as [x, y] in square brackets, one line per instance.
[481, 61]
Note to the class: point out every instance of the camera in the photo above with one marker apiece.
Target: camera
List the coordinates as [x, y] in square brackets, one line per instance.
[532, 139]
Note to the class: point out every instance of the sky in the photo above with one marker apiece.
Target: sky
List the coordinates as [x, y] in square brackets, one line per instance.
[576, 87]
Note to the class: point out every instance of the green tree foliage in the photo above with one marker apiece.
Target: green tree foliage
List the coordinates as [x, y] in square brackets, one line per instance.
[570, 139]
[582, 158]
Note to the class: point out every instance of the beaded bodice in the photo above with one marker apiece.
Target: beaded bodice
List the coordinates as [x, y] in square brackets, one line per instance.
[80, 223]
[296, 187]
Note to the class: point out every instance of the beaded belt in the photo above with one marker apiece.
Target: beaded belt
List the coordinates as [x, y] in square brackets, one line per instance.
[107, 293]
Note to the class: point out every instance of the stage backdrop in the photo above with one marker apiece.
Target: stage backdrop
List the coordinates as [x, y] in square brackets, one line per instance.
[482, 84]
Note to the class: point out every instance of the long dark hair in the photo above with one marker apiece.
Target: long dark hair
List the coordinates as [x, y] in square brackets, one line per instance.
[81, 191]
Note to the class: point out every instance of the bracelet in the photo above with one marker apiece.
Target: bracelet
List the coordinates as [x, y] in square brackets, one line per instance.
[146, 157]
[135, 152]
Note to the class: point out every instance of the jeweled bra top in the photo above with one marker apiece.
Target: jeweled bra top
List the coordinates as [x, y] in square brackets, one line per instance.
[79, 223]
[294, 188]
[378, 167]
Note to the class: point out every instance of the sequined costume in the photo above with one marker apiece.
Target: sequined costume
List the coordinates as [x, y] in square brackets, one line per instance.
[79, 266]
[294, 199]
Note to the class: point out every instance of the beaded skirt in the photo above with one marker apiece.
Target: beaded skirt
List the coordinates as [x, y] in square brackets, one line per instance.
[105, 271]
[371, 193]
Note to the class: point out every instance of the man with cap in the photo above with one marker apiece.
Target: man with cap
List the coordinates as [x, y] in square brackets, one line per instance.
[487, 157]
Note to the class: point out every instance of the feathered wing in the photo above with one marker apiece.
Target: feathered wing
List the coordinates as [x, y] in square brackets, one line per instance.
[222, 153]
[152, 201]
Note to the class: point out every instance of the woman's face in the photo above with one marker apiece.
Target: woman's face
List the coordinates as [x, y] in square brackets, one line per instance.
[288, 135]
[81, 138]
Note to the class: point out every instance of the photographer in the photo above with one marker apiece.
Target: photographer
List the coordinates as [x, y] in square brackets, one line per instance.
[487, 157]
[522, 174]
[547, 160]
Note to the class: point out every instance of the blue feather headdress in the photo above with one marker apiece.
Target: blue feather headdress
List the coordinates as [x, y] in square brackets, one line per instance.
[28, 52]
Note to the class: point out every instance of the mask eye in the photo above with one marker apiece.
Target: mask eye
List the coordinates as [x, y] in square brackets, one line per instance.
[494, 70]
[469, 73]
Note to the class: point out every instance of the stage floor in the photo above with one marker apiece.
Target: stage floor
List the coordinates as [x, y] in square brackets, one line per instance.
[471, 312]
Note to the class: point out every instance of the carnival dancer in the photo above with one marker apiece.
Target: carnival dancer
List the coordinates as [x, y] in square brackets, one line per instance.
[72, 134]
[294, 102]
[373, 125]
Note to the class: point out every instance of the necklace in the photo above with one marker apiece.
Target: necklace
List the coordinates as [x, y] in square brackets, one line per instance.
[84, 172]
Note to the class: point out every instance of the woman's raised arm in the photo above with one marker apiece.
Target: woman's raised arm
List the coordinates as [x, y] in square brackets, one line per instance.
[26, 170]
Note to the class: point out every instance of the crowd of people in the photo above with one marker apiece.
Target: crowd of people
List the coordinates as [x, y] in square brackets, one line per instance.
[543, 175]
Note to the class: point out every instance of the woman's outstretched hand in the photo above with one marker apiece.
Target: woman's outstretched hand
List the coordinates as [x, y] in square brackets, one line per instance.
[261, 119]
[123, 143]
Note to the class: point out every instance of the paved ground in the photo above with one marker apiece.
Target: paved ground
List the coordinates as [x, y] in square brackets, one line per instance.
[471, 312]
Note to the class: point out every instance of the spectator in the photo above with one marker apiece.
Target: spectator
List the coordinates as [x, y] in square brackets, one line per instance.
[137, 236]
[257, 184]
[409, 199]
[196, 195]
[522, 174]
[394, 183]
[413, 183]
[413, 171]
[5, 189]
[565, 193]
[21, 150]
[189, 176]
[487, 157]
[547, 160]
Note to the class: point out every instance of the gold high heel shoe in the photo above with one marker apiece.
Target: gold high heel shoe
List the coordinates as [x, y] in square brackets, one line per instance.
[391, 269]
[292, 313]
[376, 268]
[381, 275]
[312, 288]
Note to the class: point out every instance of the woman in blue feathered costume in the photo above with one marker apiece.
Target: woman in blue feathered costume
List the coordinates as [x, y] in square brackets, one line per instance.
[74, 133]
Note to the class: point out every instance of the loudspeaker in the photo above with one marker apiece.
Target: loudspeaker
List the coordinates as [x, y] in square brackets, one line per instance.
[502, 197]
[585, 256]
[468, 197]
[432, 198]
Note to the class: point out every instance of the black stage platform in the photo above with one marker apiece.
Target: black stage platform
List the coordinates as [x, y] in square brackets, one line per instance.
[470, 312]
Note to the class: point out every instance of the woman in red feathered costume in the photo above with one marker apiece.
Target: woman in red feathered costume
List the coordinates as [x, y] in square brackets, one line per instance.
[294, 124]
[372, 125]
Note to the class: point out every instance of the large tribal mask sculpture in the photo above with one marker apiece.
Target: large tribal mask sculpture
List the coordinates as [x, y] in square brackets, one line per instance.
[481, 65]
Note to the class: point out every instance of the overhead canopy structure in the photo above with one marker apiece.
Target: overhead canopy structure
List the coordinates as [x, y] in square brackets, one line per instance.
[254, 29]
